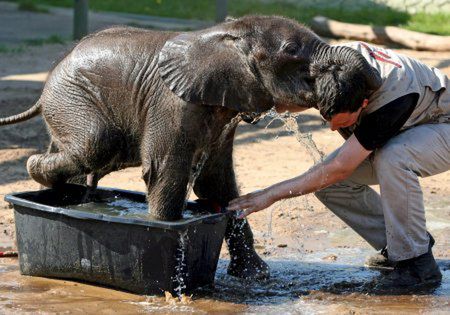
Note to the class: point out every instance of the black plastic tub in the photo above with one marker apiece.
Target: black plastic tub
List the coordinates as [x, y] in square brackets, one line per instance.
[60, 236]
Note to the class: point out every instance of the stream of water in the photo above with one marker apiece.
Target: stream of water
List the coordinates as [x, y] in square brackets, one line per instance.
[305, 140]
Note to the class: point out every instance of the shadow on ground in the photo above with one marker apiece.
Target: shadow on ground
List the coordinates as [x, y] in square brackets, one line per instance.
[269, 128]
[19, 141]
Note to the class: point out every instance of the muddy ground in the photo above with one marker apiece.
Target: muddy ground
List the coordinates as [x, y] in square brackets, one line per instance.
[295, 236]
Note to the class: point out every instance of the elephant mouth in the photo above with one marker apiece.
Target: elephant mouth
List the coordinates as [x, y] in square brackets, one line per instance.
[302, 94]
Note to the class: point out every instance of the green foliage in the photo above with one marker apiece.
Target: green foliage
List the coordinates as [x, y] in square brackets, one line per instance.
[371, 16]
[53, 39]
[5, 49]
[438, 24]
[205, 10]
[30, 5]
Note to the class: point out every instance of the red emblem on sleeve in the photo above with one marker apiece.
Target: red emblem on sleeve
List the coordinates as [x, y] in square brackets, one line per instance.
[380, 56]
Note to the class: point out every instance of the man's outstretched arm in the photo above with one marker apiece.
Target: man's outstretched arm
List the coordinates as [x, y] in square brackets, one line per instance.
[350, 155]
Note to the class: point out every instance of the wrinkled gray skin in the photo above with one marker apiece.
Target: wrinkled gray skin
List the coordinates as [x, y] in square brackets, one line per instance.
[126, 96]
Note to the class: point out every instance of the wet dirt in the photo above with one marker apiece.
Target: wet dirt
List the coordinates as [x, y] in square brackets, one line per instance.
[299, 284]
[316, 261]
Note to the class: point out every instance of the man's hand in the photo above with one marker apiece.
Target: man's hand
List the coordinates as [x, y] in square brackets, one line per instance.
[350, 155]
[252, 202]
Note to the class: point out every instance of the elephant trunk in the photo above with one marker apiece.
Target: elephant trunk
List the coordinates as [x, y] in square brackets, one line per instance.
[325, 54]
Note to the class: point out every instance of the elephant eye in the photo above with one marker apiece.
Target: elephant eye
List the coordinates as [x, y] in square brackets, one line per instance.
[291, 48]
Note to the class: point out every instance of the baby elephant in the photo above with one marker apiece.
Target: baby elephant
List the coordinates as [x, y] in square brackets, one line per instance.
[169, 101]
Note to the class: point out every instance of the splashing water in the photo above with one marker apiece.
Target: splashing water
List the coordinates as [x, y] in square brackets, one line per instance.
[197, 170]
[307, 141]
[181, 264]
[204, 155]
[269, 225]
[305, 138]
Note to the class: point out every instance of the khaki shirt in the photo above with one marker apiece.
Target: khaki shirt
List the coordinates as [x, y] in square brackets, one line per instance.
[402, 75]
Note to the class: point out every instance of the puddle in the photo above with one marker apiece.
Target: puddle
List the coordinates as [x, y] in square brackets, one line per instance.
[299, 283]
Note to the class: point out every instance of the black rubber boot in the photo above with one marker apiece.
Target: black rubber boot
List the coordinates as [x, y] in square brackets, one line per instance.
[381, 260]
[412, 274]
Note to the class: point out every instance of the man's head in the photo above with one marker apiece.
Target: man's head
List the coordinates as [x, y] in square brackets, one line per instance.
[341, 94]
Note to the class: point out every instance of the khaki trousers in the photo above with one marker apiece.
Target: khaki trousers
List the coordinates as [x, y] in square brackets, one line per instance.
[394, 218]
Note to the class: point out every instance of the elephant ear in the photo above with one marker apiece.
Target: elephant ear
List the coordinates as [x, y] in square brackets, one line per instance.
[212, 69]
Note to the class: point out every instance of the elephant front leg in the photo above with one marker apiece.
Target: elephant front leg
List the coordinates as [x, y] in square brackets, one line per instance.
[167, 179]
[217, 183]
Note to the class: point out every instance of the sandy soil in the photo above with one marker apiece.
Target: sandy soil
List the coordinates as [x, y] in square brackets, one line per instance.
[264, 154]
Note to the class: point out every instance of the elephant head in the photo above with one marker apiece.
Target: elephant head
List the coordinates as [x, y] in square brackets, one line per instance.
[248, 64]
[251, 64]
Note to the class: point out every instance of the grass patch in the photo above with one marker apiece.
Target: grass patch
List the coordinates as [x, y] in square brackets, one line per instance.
[377, 15]
[438, 24]
[16, 49]
[53, 39]
[30, 5]
[371, 16]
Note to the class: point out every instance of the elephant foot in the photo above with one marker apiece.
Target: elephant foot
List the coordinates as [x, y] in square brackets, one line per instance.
[250, 267]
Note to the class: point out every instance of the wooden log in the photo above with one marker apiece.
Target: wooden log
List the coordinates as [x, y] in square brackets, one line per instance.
[380, 35]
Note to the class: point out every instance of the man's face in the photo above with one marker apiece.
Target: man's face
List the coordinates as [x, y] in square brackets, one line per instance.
[346, 119]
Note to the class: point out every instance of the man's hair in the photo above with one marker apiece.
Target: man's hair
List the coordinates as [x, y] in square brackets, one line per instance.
[339, 89]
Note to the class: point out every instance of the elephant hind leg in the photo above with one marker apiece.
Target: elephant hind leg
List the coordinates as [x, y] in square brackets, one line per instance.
[89, 146]
[53, 169]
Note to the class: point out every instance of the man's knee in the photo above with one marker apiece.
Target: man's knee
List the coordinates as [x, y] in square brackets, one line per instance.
[339, 189]
[391, 157]
[321, 194]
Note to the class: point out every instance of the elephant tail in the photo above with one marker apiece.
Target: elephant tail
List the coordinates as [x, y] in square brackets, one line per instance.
[30, 113]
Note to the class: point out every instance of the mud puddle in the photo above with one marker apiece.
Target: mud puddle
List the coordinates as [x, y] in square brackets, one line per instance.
[329, 279]
[332, 281]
